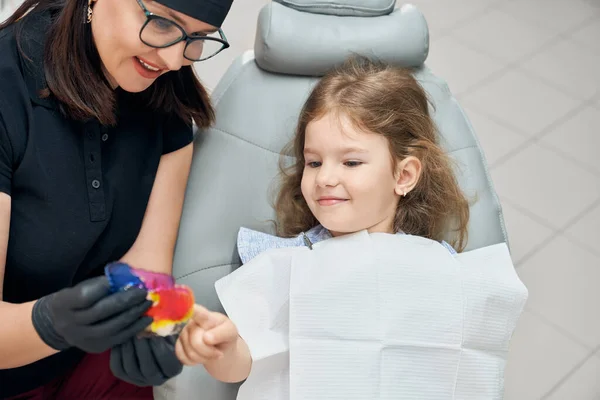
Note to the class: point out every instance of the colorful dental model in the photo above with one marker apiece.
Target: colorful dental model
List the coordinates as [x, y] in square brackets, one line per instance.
[172, 304]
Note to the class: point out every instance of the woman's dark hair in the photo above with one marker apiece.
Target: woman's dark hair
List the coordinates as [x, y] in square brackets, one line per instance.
[74, 76]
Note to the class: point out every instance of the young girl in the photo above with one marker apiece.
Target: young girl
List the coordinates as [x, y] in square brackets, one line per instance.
[367, 158]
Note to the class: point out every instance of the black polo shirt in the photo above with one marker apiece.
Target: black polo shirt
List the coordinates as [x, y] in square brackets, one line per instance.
[79, 190]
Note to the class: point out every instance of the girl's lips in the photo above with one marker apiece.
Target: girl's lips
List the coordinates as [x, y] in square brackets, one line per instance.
[330, 201]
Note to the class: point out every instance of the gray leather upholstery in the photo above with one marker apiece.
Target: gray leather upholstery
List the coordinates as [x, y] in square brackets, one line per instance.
[257, 102]
[357, 8]
[300, 43]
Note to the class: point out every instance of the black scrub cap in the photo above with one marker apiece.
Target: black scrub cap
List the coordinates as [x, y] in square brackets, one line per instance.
[212, 12]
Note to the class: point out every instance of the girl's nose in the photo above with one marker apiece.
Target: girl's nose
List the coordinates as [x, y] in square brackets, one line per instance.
[326, 176]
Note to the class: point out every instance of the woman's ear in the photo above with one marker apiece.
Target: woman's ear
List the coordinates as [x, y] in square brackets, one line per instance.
[408, 172]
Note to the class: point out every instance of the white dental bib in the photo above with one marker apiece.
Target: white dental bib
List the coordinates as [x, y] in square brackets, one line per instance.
[375, 316]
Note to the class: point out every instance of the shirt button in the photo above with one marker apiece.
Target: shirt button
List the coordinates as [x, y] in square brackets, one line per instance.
[95, 183]
[105, 137]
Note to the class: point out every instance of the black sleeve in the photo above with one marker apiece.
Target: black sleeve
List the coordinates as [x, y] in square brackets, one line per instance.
[177, 133]
[6, 159]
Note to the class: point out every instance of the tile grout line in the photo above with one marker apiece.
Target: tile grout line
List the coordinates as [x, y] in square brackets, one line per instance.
[515, 65]
[579, 243]
[561, 231]
[446, 31]
[509, 65]
[568, 375]
[560, 329]
[539, 25]
[543, 46]
[579, 217]
[550, 83]
[529, 214]
[565, 118]
[590, 102]
[562, 120]
[514, 152]
[556, 231]
[535, 139]
[534, 250]
[584, 24]
[568, 156]
[503, 123]
[562, 36]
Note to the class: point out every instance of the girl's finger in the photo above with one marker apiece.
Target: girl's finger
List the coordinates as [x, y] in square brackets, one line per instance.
[201, 315]
[191, 352]
[180, 353]
[201, 350]
[226, 332]
[196, 341]
[183, 358]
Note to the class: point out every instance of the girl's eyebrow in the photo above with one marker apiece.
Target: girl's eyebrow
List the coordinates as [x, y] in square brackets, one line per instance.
[353, 150]
[343, 150]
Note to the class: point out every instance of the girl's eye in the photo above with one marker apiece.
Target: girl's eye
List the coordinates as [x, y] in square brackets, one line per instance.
[313, 164]
[352, 163]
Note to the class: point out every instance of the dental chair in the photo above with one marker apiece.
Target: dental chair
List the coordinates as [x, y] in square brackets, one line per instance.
[258, 101]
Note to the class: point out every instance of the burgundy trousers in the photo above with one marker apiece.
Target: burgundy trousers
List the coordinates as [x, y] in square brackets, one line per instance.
[91, 379]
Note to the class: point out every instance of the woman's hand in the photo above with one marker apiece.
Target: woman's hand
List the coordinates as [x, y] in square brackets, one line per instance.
[146, 361]
[89, 317]
[212, 339]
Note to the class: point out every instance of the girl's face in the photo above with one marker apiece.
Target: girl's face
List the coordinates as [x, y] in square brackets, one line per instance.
[349, 180]
[116, 28]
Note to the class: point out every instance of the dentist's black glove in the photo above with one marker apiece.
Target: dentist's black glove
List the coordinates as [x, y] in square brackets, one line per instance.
[89, 317]
[149, 361]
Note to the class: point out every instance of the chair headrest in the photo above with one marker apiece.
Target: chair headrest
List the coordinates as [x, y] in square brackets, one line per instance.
[357, 8]
[309, 37]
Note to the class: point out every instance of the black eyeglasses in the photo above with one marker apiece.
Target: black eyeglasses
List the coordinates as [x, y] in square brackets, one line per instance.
[160, 32]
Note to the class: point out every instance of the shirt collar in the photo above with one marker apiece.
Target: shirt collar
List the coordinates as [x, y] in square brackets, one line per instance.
[251, 243]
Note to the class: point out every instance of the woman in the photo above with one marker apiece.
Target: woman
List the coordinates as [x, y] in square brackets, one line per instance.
[97, 99]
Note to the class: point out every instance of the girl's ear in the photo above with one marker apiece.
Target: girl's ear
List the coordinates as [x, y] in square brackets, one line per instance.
[408, 172]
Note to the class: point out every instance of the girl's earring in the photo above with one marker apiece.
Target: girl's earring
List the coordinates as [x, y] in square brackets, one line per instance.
[89, 12]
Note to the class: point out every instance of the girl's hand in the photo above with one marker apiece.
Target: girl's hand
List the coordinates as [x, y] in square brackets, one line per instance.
[208, 337]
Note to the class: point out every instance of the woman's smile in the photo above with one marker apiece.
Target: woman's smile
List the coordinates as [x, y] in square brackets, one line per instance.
[146, 69]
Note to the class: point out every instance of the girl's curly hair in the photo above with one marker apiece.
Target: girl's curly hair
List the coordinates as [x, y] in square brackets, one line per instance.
[385, 100]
